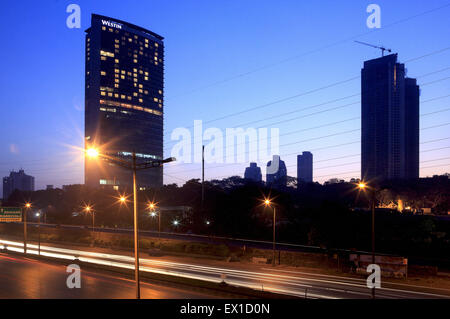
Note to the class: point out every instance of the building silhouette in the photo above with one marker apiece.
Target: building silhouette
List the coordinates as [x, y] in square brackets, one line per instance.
[123, 100]
[276, 173]
[17, 180]
[305, 168]
[253, 173]
[412, 129]
[389, 121]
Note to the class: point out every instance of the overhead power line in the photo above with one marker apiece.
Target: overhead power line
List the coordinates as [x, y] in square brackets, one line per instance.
[306, 53]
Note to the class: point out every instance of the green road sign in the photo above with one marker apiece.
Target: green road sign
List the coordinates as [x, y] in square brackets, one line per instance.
[10, 214]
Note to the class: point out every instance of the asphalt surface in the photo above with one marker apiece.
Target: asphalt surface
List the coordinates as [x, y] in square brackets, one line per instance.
[26, 278]
[294, 283]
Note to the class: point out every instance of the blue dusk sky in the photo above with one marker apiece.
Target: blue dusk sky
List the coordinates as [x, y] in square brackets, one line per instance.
[222, 58]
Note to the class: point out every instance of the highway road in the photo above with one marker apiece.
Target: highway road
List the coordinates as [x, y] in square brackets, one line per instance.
[26, 278]
[240, 242]
[294, 283]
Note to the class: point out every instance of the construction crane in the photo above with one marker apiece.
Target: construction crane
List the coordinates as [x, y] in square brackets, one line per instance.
[376, 47]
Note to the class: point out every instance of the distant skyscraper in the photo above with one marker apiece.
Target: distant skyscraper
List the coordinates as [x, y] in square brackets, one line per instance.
[17, 180]
[123, 100]
[390, 121]
[276, 173]
[305, 167]
[253, 172]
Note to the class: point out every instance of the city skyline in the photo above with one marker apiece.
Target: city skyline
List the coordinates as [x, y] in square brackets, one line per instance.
[239, 157]
[189, 99]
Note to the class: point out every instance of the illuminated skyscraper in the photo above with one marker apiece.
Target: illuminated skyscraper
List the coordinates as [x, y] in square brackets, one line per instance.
[123, 100]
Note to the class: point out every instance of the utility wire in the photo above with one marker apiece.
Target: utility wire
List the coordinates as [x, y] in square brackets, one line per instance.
[327, 46]
[311, 91]
[321, 104]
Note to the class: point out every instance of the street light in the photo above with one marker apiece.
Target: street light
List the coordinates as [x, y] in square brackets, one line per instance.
[268, 203]
[88, 209]
[92, 152]
[152, 207]
[27, 207]
[39, 233]
[363, 186]
[134, 167]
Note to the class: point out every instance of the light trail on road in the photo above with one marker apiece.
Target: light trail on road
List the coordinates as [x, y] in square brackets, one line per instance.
[278, 281]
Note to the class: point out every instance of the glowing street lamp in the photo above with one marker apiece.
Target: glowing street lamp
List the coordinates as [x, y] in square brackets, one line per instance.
[27, 207]
[132, 165]
[38, 214]
[363, 186]
[88, 209]
[268, 203]
[92, 152]
[152, 207]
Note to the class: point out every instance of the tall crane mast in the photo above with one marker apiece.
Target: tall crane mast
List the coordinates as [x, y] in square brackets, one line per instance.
[375, 46]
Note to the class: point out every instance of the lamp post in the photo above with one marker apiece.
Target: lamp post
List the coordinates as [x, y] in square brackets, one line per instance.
[39, 233]
[153, 213]
[134, 167]
[89, 209]
[363, 186]
[267, 202]
[27, 207]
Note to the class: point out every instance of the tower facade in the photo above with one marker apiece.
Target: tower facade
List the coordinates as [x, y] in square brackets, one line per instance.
[253, 172]
[305, 167]
[276, 173]
[123, 100]
[389, 121]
